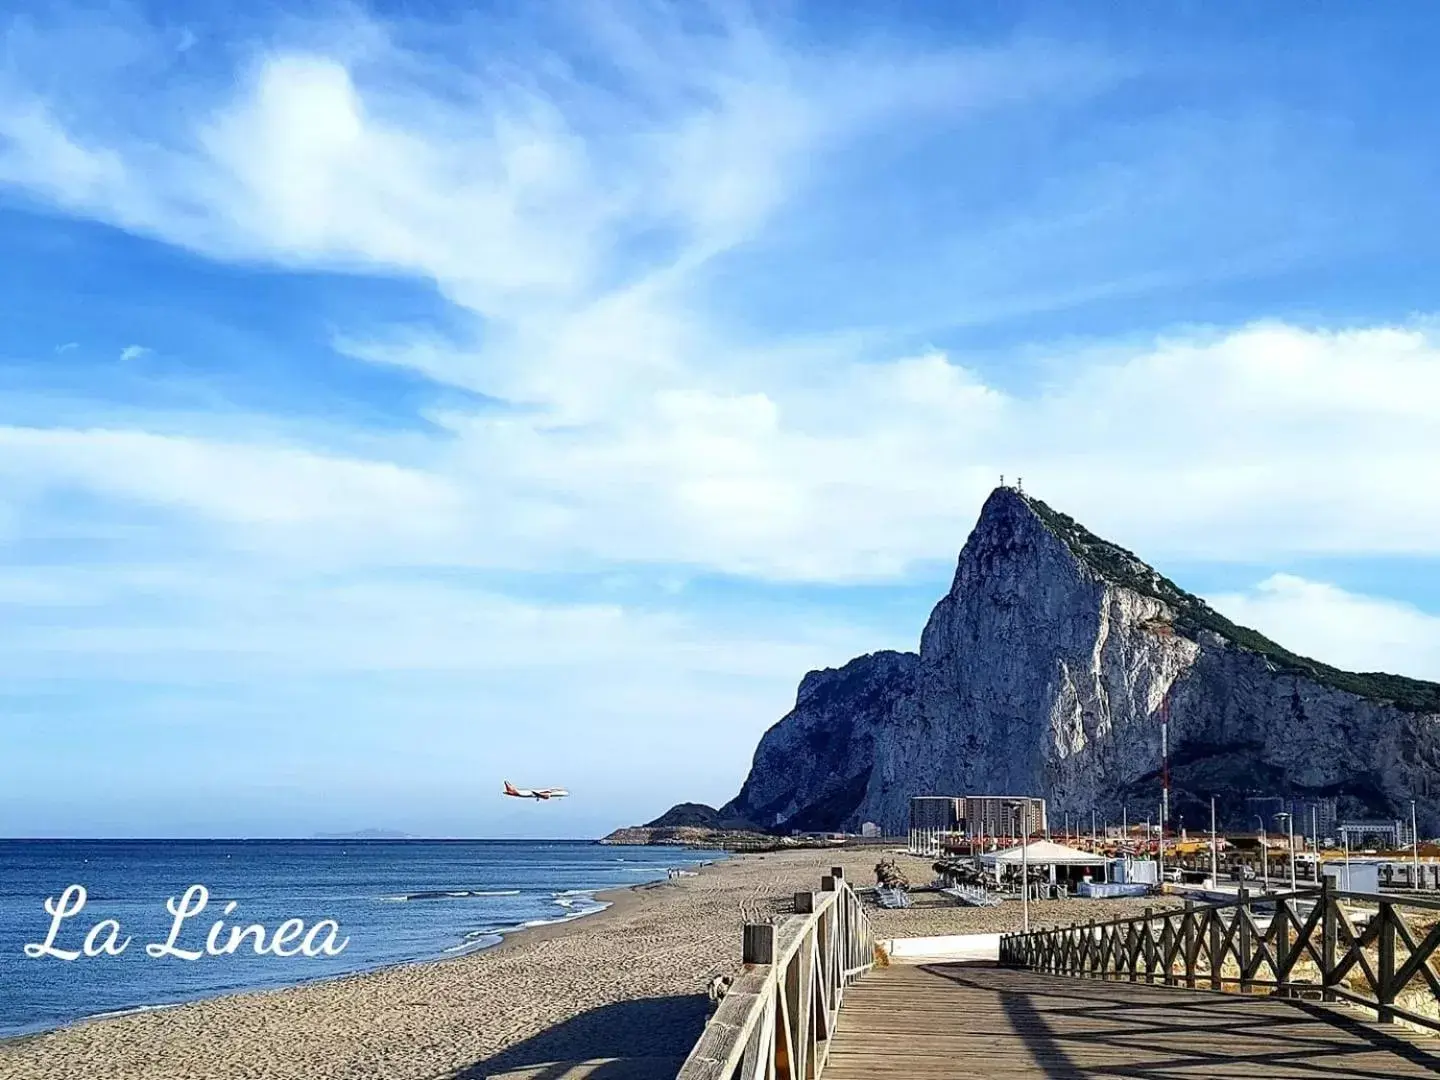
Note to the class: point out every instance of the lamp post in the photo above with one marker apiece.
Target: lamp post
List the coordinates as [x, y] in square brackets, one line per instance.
[1025, 870]
[1160, 848]
[1346, 834]
[1025, 880]
[1264, 854]
[1290, 823]
[1214, 849]
[1415, 845]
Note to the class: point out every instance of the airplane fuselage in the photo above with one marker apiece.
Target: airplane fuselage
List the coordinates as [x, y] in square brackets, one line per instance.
[534, 793]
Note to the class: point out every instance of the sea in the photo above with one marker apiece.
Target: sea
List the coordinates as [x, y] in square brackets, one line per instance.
[397, 901]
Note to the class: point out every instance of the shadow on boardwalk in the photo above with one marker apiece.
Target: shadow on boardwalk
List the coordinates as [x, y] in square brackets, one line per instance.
[646, 1039]
[956, 1021]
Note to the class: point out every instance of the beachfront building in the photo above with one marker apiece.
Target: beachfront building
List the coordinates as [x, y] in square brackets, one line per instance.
[937, 818]
[1009, 816]
[933, 818]
[1065, 867]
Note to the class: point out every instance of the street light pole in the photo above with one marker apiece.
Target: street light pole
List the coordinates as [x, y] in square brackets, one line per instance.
[1025, 880]
[1290, 823]
[1346, 834]
[1214, 849]
[1160, 848]
[1415, 845]
[1025, 871]
[1264, 854]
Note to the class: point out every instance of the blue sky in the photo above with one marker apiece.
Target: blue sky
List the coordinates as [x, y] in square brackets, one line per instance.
[396, 400]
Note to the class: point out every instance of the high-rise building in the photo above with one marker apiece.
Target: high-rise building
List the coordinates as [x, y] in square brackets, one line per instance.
[934, 813]
[1003, 815]
[932, 818]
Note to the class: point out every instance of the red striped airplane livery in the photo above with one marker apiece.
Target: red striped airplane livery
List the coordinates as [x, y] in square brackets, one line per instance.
[535, 793]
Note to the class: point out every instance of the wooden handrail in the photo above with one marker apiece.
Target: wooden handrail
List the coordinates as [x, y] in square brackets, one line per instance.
[1311, 945]
[777, 1018]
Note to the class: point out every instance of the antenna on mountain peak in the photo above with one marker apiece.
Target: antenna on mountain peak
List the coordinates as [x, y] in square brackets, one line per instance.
[1019, 483]
[1002, 479]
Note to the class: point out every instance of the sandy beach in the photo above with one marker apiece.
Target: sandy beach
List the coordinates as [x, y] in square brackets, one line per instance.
[627, 983]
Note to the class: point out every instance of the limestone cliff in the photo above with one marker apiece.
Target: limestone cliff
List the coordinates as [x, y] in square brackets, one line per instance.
[1044, 669]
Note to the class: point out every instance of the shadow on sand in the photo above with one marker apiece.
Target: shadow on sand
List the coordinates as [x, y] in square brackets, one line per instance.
[645, 1039]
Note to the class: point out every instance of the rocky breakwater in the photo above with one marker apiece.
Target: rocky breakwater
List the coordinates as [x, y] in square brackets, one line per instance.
[1045, 670]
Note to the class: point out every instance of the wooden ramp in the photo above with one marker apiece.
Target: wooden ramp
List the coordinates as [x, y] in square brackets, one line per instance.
[960, 1021]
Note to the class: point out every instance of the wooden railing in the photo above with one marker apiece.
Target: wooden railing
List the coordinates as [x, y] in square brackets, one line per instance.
[1374, 951]
[776, 1020]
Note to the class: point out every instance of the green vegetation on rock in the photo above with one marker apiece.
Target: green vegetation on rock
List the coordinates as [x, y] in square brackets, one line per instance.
[1192, 615]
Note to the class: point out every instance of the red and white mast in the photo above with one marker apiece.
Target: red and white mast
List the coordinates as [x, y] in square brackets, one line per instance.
[1164, 773]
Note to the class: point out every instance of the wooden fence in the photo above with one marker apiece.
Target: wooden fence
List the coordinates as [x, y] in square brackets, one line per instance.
[776, 1020]
[1374, 951]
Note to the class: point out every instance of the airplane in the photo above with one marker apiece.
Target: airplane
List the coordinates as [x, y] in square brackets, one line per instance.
[535, 793]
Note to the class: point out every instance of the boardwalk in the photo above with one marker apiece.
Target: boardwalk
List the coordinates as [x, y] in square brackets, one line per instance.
[957, 1021]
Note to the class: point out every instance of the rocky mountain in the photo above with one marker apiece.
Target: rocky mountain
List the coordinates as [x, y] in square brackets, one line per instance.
[1045, 670]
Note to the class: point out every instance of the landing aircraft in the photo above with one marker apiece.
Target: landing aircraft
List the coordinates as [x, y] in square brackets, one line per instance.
[535, 793]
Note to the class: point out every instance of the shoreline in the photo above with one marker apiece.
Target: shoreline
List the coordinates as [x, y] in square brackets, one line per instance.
[627, 982]
[610, 898]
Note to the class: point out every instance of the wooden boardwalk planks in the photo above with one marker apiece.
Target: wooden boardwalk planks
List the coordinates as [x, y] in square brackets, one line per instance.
[961, 1021]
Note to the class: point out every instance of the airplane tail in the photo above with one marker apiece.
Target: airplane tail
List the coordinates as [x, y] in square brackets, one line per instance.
[510, 788]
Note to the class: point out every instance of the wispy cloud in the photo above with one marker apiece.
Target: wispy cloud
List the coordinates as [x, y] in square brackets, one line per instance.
[1266, 442]
[1362, 633]
[133, 352]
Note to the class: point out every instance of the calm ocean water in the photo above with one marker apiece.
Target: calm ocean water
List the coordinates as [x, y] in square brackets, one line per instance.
[397, 901]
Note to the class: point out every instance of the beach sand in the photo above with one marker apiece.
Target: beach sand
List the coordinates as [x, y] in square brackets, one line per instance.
[627, 983]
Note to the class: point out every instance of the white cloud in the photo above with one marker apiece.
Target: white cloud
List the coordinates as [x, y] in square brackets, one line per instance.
[291, 501]
[1346, 629]
[420, 686]
[572, 217]
[1267, 442]
[133, 352]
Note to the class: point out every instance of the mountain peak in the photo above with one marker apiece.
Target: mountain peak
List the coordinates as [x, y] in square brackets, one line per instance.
[1047, 668]
[1007, 509]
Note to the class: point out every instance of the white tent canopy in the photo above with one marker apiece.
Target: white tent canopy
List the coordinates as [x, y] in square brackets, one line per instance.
[1043, 853]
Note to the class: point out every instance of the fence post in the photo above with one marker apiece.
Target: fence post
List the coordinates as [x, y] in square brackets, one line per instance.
[1329, 923]
[1216, 962]
[1247, 984]
[804, 903]
[1385, 992]
[1192, 953]
[1147, 941]
[758, 943]
[1285, 916]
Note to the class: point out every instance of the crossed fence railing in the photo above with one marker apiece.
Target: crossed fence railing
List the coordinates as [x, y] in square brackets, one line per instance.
[777, 1018]
[1371, 950]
